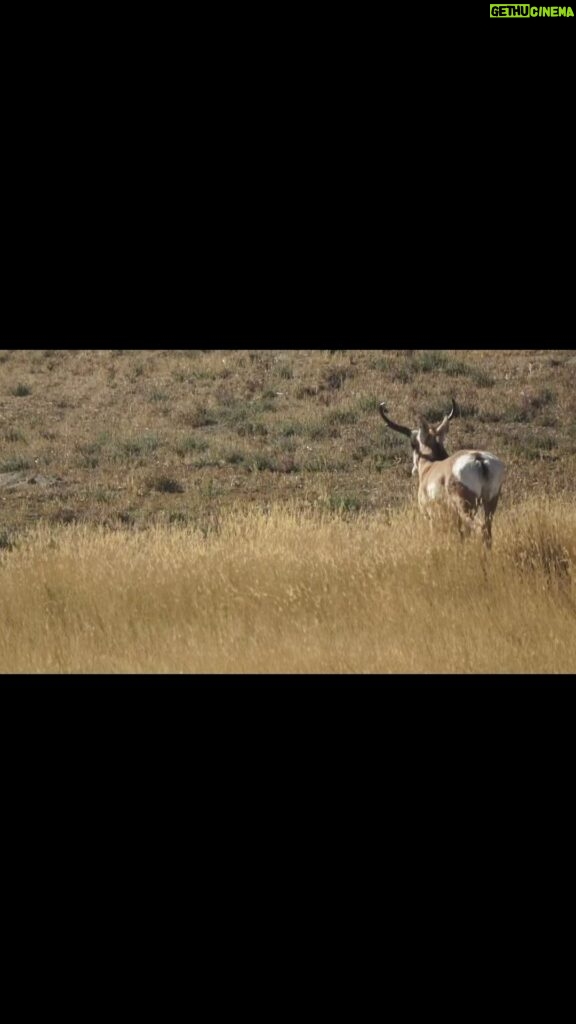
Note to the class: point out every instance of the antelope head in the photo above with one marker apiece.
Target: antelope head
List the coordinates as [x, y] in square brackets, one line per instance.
[427, 441]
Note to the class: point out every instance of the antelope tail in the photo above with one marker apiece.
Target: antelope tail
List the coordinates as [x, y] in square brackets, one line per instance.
[484, 465]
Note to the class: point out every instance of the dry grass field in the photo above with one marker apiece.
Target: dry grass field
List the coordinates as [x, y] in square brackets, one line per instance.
[238, 511]
[293, 592]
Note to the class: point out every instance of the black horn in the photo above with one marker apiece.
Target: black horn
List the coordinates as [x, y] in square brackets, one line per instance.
[442, 426]
[395, 426]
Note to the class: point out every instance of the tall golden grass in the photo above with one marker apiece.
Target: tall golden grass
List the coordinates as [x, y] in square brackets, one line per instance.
[293, 592]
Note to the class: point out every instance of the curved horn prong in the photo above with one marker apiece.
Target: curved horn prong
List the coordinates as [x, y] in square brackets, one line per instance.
[395, 426]
[447, 418]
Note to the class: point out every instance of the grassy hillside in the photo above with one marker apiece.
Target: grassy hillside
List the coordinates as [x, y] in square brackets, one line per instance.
[129, 439]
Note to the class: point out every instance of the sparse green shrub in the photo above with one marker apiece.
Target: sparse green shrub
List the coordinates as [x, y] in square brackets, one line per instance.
[14, 464]
[252, 430]
[334, 377]
[262, 462]
[177, 518]
[190, 444]
[89, 448]
[527, 410]
[87, 461]
[368, 404]
[384, 460]
[21, 390]
[143, 445]
[441, 362]
[164, 485]
[339, 503]
[361, 452]
[321, 431]
[102, 495]
[198, 416]
[324, 464]
[286, 444]
[394, 368]
[342, 416]
[286, 464]
[533, 402]
[534, 448]
[231, 412]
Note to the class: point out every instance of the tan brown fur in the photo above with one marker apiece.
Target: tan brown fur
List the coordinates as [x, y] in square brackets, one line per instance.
[439, 476]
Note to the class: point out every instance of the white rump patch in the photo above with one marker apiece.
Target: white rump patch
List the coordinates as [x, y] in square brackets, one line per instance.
[482, 484]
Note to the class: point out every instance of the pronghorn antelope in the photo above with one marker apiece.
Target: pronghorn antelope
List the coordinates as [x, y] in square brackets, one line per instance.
[466, 481]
